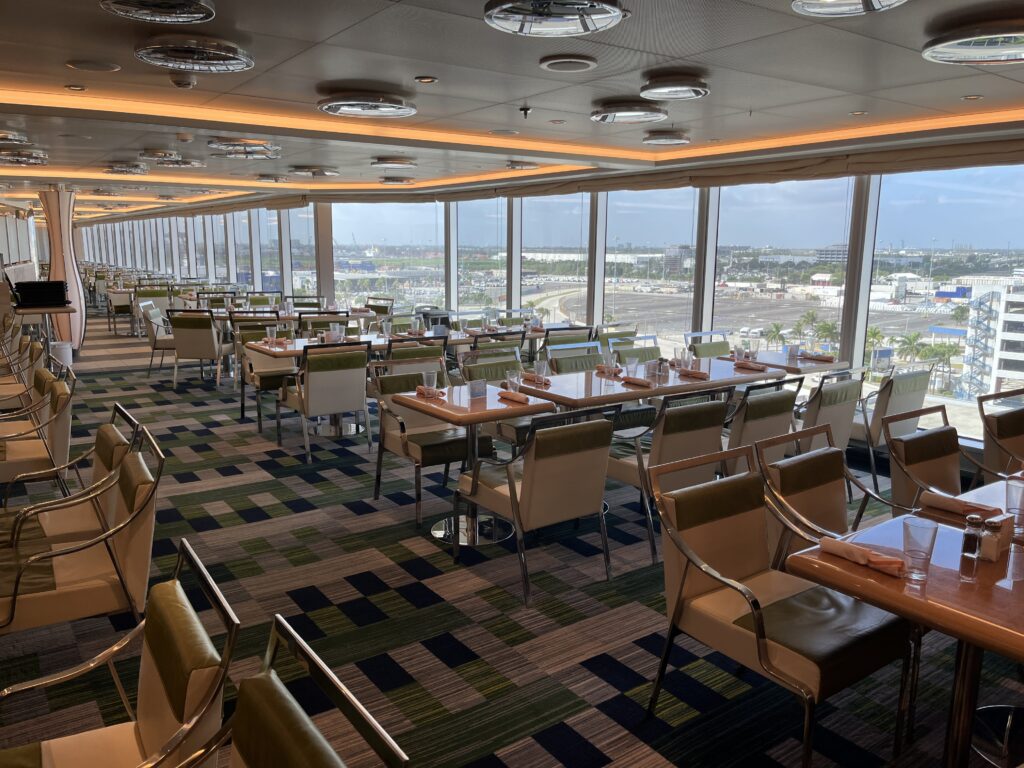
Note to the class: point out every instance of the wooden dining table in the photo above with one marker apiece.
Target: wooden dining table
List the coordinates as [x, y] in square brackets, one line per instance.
[585, 389]
[461, 410]
[979, 603]
[797, 366]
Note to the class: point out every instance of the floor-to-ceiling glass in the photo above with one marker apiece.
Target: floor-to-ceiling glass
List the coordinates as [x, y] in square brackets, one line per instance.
[220, 248]
[243, 248]
[483, 253]
[270, 249]
[555, 235]
[303, 250]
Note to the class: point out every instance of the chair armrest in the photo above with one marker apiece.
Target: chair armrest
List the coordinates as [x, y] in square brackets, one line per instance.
[871, 494]
[982, 467]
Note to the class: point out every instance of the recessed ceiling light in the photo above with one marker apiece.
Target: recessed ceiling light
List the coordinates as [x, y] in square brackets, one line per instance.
[972, 97]
[377, 105]
[75, 87]
[553, 18]
[178, 162]
[87, 65]
[127, 169]
[568, 62]
[249, 154]
[1000, 42]
[166, 197]
[521, 165]
[557, 122]
[396, 180]
[162, 11]
[399, 163]
[835, 8]
[628, 112]
[159, 154]
[269, 178]
[23, 157]
[504, 132]
[229, 144]
[13, 137]
[74, 136]
[858, 113]
[425, 79]
[313, 171]
[674, 88]
[666, 138]
[183, 53]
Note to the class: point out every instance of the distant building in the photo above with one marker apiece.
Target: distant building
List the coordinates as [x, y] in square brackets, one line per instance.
[785, 258]
[833, 254]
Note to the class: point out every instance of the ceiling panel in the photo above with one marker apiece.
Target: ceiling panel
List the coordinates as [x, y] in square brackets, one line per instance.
[999, 93]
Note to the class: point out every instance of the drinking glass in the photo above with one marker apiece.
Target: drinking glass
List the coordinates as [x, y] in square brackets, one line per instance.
[918, 543]
[430, 380]
[755, 348]
[386, 327]
[1015, 501]
[631, 365]
[512, 379]
[271, 332]
[417, 324]
[677, 354]
[541, 367]
[335, 331]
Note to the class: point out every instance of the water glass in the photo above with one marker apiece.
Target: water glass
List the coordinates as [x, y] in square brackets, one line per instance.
[417, 324]
[609, 359]
[1015, 501]
[677, 354]
[738, 352]
[631, 365]
[512, 379]
[430, 380]
[477, 388]
[541, 367]
[335, 331]
[271, 332]
[386, 327]
[918, 543]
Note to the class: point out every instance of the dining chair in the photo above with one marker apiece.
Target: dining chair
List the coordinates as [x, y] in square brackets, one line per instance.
[705, 344]
[380, 305]
[42, 445]
[764, 410]
[261, 371]
[579, 334]
[311, 323]
[532, 489]
[160, 336]
[1003, 431]
[897, 393]
[495, 347]
[26, 420]
[686, 425]
[331, 381]
[181, 680]
[120, 307]
[835, 401]
[575, 363]
[263, 299]
[416, 437]
[643, 349]
[269, 727]
[314, 303]
[603, 334]
[197, 337]
[722, 591]
[511, 431]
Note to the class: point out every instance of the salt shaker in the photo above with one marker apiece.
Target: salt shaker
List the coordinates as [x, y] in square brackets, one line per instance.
[989, 549]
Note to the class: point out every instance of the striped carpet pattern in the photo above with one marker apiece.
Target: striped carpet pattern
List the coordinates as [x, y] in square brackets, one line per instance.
[445, 656]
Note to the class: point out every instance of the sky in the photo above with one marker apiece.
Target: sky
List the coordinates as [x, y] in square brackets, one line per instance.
[982, 207]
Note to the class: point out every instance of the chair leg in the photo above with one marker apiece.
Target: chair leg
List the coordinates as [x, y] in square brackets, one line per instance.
[305, 437]
[380, 470]
[259, 412]
[277, 410]
[524, 573]
[151, 355]
[860, 513]
[908, 693]
[174, 381]
[849, 489]
[447, 469]
[670, 640]
[604, 541]
[874, 469]
[808, 749]
[646, 502]
[161, 361]
[219, 362]
[369, 433]
[418, 479]
[241, 401]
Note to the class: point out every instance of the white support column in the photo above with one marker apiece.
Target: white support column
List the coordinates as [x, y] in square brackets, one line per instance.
[229, 243]
[857, 291]
[323, 241]
[172, 228]
[285, 233]
[190, 244]
[159, 227]
[59, 207]
[596, 250]
[211, 269]
[451, 256]
[704, 258]
[514, 244]
[254, 247]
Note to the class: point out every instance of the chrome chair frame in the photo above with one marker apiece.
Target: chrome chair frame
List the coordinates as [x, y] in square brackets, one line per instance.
[988, 432]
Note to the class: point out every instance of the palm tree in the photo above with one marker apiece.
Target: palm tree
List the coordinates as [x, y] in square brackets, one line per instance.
[873, 339]
[960, 314]
[774, 334]
[910, 347]
[798, 329]
[827, 331]
[809, 318]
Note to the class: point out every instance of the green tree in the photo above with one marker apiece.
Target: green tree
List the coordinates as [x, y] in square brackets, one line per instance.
[827, 331]
[960, 314]
[809, 318]
[910, 347]
[774, 334]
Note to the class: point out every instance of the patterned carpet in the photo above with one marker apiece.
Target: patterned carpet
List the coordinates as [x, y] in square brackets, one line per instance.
[445, 656]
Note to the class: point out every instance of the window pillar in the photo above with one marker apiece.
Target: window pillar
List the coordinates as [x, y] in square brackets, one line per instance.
[514, 246]
[596, 250]
[323, 244]
[284, 233]
[254, 249]
[451, 256]
[857, 291]
[706, 247]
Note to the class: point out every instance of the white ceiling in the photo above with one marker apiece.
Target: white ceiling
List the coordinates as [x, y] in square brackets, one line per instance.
[772, 72]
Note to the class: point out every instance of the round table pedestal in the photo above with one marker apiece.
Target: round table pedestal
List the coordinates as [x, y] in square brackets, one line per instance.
[999, 735]
[472, 530]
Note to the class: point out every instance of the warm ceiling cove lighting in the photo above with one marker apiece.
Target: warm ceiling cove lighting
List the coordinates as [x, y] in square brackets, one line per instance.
[568, 63]
[666, 138]
[23, 157]
[180, 162]
[313, 171]
[396, 180]
[379, 105]
[13, 137]
[162, 11]
[553, 18]
[159, 154]
[127, 169]
[398, 163]
[834, 8]
[88, 65]
[628, 112]
[674, 88]
[998, 42]
[185, 53]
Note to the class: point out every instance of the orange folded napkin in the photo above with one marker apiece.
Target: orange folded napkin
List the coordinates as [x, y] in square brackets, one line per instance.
[276, 342]
[474, 331]
[534, 378]
[749, 365]
[515, 397]
[692, 373]
[818, 358]
[414, 332]
[957, 506]
[888, 564]
[431, 393]
[614, 370]
[637, 381]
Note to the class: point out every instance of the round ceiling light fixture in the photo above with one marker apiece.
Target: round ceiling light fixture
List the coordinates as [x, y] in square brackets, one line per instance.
[88, 65]
[521, 165]
[568, 63]
[13, 137]
[166, 197]
[313, 171]
[179, 162]
[1000, 42]
[159, 154]
[628, 113]
[229, 144]
[23, 157]
[127, 169]
[378, 105]
[185, 53]
[396, 163]
[75, 87]
[162, 11]
[426, 79]
[269, 178]
[396, 180]
[666, 138]
[504, 132]
[553, 18]
[839, 8]
[674, 88]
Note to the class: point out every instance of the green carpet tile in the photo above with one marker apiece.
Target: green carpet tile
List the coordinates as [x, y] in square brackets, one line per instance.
[445, 656]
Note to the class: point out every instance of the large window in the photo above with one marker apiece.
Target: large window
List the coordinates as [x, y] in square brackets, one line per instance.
[947, 284]
[781, 262]
[270, 249]
[165, 235]
[182, 236]
[555, 236]
[483, 255]
[220, 248]
[389, 249]
[649, 262]
[303, 249]
[198, 226]
[243, 248]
